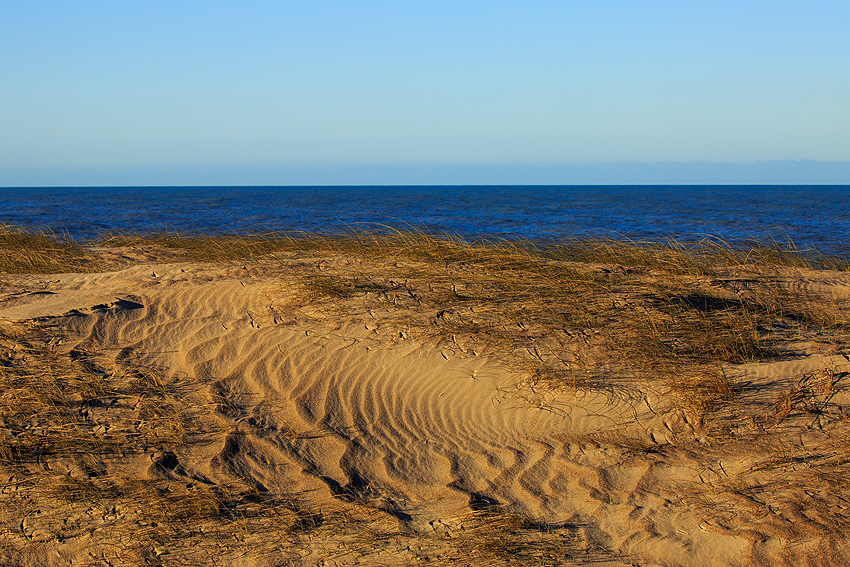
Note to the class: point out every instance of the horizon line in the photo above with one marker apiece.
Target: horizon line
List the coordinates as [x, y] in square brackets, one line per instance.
[775, 172]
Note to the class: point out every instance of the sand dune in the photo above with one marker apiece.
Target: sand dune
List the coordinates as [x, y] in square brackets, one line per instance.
[328, 403]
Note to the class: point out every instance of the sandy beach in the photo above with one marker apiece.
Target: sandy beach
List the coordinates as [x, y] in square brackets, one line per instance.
[337, 408]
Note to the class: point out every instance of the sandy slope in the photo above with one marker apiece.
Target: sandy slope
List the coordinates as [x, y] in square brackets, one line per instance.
[328, 402]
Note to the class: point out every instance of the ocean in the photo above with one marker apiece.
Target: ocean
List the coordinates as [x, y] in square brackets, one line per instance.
[812, 217]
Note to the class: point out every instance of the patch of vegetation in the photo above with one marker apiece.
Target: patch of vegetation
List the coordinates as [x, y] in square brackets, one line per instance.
[41, 252]
[668, 310]
[64, 411]
[572, 314]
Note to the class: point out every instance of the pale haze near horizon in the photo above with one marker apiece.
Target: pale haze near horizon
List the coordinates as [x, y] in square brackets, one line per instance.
[224, 86]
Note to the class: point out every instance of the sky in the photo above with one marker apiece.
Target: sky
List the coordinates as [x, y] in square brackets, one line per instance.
[191, 90]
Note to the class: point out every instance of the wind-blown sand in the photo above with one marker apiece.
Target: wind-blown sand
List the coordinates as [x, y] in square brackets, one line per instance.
[353, 408]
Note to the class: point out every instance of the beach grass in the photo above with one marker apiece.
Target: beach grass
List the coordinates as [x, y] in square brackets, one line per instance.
[24, 251]
[667, 313]
[53, 411]
[670, 255]
[51, 407]
[671, 310]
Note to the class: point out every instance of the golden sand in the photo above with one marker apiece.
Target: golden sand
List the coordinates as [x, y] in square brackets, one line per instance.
[337, 409]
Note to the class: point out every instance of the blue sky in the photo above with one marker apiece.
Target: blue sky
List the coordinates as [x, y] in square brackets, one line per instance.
[183, 86]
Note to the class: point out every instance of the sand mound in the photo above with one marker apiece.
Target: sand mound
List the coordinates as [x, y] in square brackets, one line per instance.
[322, 403]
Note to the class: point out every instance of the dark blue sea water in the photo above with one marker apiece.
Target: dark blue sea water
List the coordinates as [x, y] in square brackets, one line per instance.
[813, 217]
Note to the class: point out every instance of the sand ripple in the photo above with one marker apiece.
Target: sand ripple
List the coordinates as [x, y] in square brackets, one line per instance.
[353, 408]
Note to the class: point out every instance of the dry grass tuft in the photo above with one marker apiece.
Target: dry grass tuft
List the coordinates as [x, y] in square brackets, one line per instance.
[670, 256]
[41, 252]
[206, 248]
[497, 535]
[811, 395]
[40, 399]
